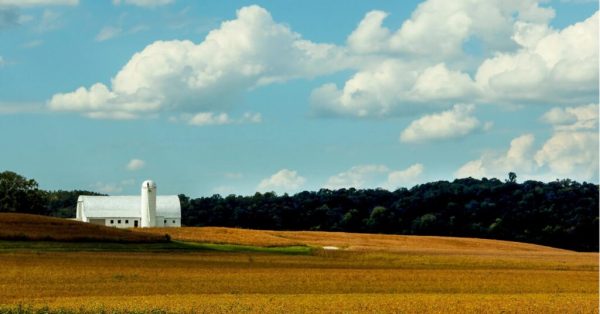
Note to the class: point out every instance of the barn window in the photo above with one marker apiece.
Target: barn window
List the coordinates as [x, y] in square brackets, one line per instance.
[126, 221]
[119, 221]
[112, 221]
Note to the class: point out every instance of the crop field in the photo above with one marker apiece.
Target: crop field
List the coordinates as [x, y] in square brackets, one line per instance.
[344, 240]
[249, 271]
[35, 227]
[324, 281]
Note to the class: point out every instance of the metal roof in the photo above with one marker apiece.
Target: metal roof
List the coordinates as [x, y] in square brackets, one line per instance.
[167, 206]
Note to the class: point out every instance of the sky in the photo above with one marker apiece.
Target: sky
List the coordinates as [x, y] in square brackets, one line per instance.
[234, 97]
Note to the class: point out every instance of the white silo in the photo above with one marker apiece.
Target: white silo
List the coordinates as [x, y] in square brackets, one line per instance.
[148, 204]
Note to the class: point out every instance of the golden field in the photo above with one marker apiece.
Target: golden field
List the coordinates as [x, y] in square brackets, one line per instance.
[344, 240]
[370, 273]
[322, 282]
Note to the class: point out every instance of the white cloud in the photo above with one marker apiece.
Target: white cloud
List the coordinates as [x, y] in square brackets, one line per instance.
[108, 32]
[573, 118]
[568, 153]
[572, 150]
[551, 66]
[406, 177]
[454, 123]
[370, 36]
[209, 118]
[394, 87]
[571, 154]
[283, 181]
[518, 158]
[135, 164]
[422, 66]
[32, 3]
[438, 29]
[374, 175]
[249, 51]
[356, 177]
[212, 118]
[144, 3]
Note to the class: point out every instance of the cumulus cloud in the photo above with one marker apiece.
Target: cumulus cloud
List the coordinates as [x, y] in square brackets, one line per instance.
[551, 66]
[571, 154]
[571, 151]
[406, 177]
[374, 175]
[144, 3]
[454, 123]
[424, 35]
[423, 65]
[249, 51]
[573, 148]
[393, 87]
[573, 118]
[284, 180]
[356, 176]
[518, 158]
[135, 164]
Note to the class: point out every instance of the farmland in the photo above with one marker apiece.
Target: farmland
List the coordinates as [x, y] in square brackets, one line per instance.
[36, 227]
[228, 272]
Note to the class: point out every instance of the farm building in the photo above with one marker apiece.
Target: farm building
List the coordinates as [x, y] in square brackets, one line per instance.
[145, 210]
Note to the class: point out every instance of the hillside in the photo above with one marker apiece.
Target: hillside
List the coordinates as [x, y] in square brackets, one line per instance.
[42, 228]
[346, 241]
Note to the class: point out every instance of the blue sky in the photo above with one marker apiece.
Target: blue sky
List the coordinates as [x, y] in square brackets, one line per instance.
[238, 96]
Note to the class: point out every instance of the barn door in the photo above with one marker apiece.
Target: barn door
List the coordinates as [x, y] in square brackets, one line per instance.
[135, 223]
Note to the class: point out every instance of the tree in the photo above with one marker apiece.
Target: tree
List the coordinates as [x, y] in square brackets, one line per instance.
[512, 177]
[19, 194]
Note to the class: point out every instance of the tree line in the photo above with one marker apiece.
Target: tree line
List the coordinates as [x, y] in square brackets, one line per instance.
[562, 213]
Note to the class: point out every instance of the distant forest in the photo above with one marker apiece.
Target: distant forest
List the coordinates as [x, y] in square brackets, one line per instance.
[562, 213]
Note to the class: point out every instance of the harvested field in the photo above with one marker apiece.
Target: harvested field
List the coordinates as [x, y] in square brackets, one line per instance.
[36, 228]
[325, 281]
[343, 240]
[255, 271]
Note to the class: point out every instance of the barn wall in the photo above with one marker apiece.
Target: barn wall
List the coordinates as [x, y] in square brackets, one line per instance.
[172, 222]
[122, 222]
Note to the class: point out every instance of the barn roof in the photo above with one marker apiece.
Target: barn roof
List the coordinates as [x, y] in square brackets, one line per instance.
[167, 206]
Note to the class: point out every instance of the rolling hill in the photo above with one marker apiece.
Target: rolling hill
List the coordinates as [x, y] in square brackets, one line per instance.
[345, 241]
[43, 228]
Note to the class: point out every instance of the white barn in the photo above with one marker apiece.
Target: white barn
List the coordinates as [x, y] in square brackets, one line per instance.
[145, 210]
